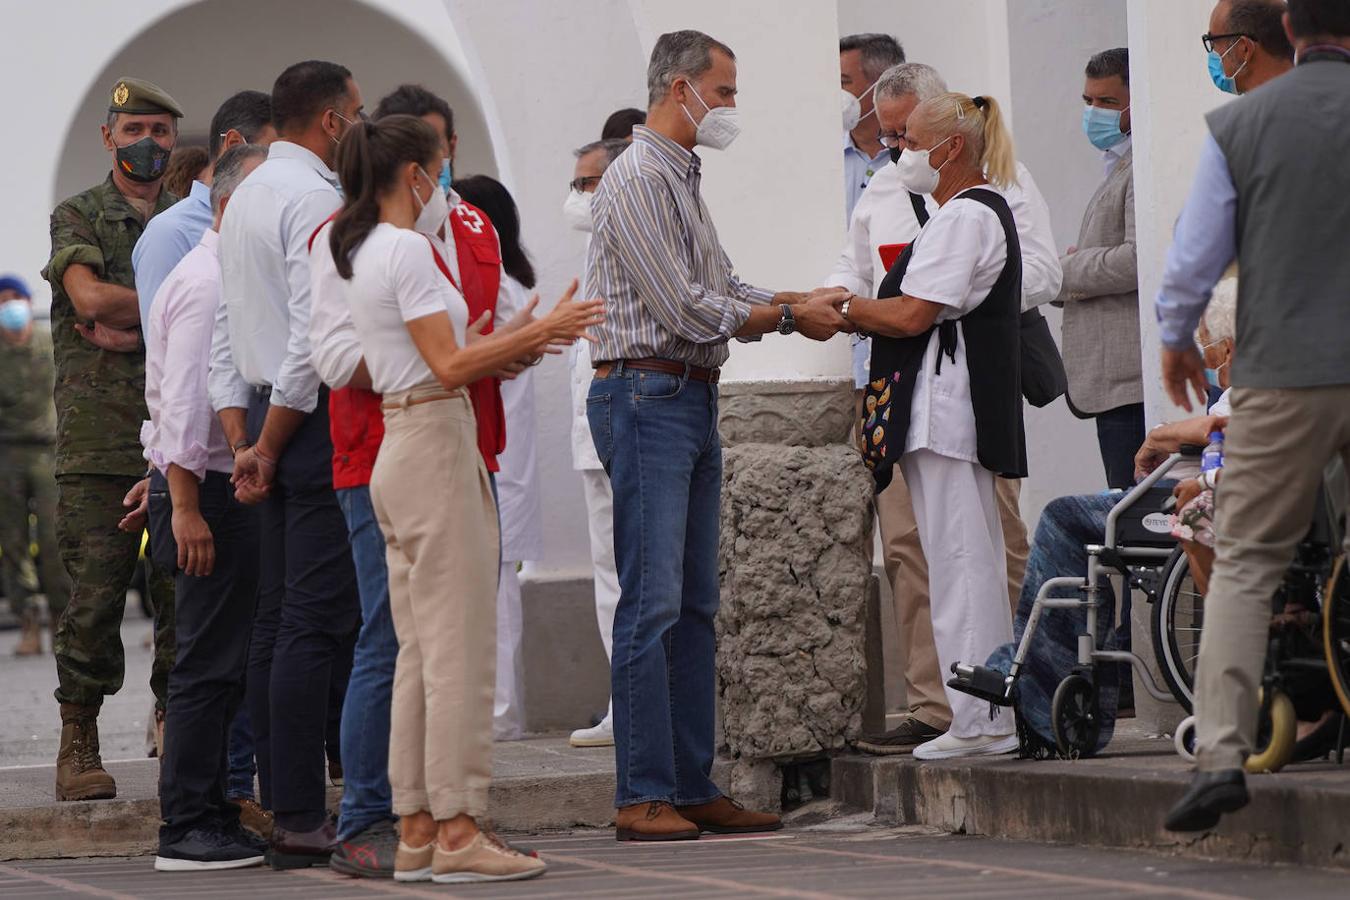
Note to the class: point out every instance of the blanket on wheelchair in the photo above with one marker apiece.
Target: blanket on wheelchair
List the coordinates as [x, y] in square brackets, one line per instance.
[1067, 525]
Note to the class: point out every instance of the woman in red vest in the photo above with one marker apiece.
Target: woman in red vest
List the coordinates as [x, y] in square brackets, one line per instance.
[431, 493]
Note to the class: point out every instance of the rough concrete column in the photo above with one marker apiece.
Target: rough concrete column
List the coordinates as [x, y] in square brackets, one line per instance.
[796, 517]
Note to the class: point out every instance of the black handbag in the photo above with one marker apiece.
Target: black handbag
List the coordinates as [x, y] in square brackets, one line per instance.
[1043, 376]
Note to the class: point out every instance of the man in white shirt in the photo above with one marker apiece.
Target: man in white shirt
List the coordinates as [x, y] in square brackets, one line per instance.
[886, 219]
[592, 161]
[209, 541]
[274, 411]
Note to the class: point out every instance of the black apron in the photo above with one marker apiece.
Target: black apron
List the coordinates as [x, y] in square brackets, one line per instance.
[991, 332]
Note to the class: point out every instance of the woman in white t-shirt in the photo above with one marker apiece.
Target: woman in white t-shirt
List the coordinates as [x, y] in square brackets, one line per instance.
[431, 494]
[953, 421]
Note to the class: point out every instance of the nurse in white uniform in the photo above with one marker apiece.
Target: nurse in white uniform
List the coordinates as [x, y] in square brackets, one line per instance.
[953, 420]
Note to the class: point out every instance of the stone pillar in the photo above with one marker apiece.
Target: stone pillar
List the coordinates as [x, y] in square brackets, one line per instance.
[796, 521]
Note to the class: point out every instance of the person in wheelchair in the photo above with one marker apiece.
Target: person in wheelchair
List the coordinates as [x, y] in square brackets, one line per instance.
[1066, 527]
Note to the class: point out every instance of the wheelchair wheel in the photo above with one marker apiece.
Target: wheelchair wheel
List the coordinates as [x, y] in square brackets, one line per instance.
[1184, 739]
[1336, 632]
[1074, 717]
[1178, 614]
[1276, 736]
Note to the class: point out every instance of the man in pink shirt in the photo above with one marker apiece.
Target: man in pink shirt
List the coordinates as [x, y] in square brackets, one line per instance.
[208, 540]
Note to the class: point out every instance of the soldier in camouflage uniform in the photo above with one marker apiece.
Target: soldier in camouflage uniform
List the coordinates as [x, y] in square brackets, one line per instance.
[100, 404]
[27, 485]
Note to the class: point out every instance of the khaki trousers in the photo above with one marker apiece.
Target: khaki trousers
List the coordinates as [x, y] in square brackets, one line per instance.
[434, 504]
[907, 571]
[1277, 443]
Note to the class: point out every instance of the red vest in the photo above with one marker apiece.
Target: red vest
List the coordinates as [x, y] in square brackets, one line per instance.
[355, 419]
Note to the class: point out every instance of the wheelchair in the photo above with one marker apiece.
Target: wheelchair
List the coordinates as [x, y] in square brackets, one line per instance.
[1138, 546]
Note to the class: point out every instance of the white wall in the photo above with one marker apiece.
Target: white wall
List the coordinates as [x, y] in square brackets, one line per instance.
[1170, 83]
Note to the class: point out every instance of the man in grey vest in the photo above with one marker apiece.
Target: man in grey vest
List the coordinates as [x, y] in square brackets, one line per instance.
[1269, 191]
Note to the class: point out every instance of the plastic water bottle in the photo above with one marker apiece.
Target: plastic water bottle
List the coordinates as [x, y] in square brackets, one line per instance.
[1212, 458]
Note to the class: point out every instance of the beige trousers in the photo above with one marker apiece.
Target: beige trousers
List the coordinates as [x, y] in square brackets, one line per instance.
[1277, 443]
[433, 501]
[907, 571]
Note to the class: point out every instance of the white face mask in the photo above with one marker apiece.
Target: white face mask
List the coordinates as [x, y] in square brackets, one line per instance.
[851, 107]
[718, 127]
[577, 210]
[917, 174]
[434, 211]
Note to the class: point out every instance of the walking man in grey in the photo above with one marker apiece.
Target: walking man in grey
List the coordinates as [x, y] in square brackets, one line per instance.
[1285, 222]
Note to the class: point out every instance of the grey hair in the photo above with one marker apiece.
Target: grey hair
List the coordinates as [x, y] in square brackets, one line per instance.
[918, 79]
[878, 52]
[229, 171]
[1221, 314]
[612, 147]
[679, 53]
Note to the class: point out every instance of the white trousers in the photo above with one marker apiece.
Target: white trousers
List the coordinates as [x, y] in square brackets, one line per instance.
[600, 514]
[508, 707]
[957, 512]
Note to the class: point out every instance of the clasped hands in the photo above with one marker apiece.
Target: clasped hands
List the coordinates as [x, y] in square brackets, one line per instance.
[817, 313]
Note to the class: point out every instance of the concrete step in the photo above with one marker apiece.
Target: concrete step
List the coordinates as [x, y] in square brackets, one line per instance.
[1299, 816]
[540, 784]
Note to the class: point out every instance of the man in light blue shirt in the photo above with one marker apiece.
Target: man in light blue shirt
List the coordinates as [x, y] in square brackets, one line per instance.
[245, 118]
[862, 59]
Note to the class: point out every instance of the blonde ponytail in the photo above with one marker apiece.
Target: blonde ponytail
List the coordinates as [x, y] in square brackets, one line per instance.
[996, 157]
[980, 121]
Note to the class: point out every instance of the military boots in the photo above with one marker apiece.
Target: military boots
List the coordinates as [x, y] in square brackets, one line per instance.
[79, 770]
[30, 634]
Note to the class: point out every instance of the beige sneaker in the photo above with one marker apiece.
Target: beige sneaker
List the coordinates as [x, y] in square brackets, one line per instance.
[485, 858]
[413, 863]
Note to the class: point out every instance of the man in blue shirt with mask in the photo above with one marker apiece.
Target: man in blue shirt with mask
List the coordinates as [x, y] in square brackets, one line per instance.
[245, 118]
[1246, 44]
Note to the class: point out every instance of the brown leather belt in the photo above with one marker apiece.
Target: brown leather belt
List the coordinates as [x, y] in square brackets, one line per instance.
[420, 399]
[667, 366]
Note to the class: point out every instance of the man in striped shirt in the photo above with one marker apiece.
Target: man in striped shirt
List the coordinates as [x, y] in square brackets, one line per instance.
[672, 303]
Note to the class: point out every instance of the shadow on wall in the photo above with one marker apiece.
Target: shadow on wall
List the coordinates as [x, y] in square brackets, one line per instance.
[207, 51]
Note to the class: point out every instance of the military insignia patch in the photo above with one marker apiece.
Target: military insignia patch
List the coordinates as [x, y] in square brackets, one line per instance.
[120, 93]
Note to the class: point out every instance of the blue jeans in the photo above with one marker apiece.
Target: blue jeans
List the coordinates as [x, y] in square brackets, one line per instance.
[656, 435]
[242, 769]
[366, 797]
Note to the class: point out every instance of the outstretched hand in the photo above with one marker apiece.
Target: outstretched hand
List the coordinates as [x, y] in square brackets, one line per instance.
[570, 318]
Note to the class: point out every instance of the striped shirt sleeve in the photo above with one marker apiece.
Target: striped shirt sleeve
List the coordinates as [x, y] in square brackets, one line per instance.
[647, 241]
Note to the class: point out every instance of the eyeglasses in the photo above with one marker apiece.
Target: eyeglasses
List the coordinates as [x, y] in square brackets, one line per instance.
[584, 183]
[890, 139]
[1209, 39]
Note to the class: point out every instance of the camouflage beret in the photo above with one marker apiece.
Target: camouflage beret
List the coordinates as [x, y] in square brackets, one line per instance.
[139, 97]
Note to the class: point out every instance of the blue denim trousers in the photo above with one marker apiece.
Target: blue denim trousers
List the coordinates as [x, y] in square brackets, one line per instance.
[242, 769]
[366, 798]
[656, 435]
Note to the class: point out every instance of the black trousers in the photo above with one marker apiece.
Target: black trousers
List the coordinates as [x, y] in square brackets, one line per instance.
[215, 615]
[307, 611]
[1120, 433]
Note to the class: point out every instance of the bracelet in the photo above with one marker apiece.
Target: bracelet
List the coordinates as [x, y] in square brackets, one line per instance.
[263, 458]
[240, 445]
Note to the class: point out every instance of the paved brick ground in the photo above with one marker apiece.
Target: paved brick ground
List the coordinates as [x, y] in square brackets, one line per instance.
[821, 863]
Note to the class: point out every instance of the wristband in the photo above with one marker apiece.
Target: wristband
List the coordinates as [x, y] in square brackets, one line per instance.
[264, 458]
[240, 445]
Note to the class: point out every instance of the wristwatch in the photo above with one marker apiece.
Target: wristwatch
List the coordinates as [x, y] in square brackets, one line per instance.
[843, 307]
[788, 323]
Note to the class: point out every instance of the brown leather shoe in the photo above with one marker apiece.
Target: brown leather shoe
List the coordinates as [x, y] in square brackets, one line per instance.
[726, 816]
[79, 768]
[298, 849]
[30, 635]
[656, 820]
[253, 817]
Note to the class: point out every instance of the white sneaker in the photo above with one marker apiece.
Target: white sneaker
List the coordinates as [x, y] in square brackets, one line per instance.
[601, 735]
[948, 746]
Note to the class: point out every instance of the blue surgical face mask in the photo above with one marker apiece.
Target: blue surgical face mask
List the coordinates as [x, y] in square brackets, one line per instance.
[15, 314]
[1225, 83]
[447, 175]
[1102, 126]
[1212, 376]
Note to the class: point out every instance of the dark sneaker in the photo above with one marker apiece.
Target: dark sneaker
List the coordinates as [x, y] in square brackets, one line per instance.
[368, 853]
[201, 850]
[240, 833]
[901, 739]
